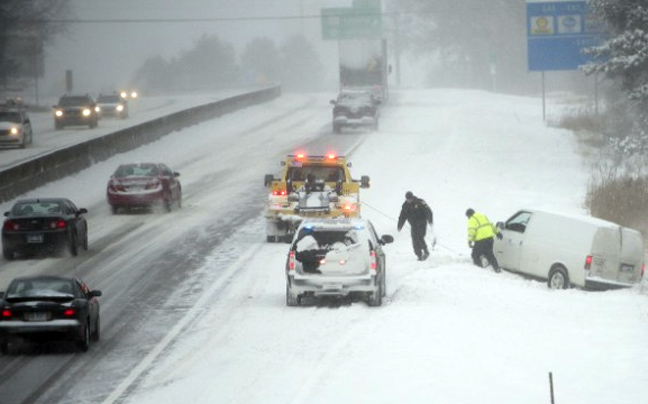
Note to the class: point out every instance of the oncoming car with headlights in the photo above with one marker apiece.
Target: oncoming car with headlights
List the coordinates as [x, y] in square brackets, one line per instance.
[15, 127]
[112, 105]
[76, 110]
[129, 94]
[336, 257]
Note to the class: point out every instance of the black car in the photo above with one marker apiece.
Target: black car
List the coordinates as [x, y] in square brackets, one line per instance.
[355, 108]
[77, 110]
[49, 308]
[50, 224]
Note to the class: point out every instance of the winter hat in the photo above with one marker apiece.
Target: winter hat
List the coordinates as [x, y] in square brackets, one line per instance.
[409, 195]
[470, 212]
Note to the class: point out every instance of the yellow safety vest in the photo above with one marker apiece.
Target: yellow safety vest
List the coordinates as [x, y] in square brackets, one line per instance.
[480, 228]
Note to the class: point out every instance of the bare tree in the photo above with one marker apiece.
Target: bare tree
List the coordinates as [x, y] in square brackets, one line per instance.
[25, 26]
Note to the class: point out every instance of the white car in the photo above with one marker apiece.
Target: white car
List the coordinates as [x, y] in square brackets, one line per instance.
[112, 105]
[571, 250]
[336, 257]
[15, 127]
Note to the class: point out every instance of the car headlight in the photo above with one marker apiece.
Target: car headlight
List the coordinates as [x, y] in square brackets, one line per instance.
[14, 131]
[58, 113]
[120, 108]
[123, 94]
[86, 112]
[97, 109]
[134, 94]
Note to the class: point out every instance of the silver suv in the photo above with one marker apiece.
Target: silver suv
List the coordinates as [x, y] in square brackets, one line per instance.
[15, 127]
[336, 257]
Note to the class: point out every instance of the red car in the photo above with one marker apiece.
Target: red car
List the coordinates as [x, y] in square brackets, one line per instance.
[144, 185]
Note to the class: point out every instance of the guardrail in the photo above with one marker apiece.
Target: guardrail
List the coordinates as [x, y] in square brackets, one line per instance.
[26, 176]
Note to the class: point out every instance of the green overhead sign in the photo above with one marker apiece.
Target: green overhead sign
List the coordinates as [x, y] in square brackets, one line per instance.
[363, 20]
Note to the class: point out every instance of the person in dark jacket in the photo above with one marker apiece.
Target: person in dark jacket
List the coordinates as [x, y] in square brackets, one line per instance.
[419, 215]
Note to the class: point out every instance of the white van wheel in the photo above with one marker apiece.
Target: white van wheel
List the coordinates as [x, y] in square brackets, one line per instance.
[558, 278]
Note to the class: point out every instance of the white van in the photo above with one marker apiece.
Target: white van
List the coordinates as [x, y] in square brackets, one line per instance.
[569, 250]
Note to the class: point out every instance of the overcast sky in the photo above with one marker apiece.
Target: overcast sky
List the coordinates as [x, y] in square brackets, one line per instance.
[104, 55]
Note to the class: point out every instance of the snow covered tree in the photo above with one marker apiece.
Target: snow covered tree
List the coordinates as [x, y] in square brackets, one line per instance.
[25, 26]
[622, 58]
[261, 61]
[301, 69]
[467, 38]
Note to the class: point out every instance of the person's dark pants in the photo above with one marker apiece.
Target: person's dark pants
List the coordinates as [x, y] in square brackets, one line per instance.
[418, 240]
[484, 248]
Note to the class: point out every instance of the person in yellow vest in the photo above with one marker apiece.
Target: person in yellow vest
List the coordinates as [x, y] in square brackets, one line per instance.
[481, 233]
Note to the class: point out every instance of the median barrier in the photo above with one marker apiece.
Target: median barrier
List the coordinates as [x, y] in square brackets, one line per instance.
[23, 177]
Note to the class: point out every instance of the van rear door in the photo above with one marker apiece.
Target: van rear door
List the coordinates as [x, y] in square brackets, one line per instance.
[632, 256]
[606, 254]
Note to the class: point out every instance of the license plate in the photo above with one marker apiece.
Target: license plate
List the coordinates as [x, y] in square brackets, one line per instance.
[34, 238]
[627, 268]
[38, 316]
[332, 286]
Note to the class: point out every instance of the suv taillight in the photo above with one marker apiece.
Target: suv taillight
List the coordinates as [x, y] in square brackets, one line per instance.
[291, 261]
[6, 313]
[373, 262]
[588, 262]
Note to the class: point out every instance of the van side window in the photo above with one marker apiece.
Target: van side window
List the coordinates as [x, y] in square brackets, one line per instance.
[518, 222]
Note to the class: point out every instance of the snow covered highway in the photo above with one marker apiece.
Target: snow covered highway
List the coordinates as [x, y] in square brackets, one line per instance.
[193, 306]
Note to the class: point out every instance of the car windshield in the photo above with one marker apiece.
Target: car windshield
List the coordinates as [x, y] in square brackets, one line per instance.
[73, 101]
[29, 288]
[138, 170]
[325, 173]
[10, 116]
[109, 98]
[36, 208]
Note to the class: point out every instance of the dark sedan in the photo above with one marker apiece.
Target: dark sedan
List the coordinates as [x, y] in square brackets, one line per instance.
[144, 185]
[44, 224]
[49, 308]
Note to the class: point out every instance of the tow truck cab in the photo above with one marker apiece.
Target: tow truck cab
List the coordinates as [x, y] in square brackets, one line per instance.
[331, 173]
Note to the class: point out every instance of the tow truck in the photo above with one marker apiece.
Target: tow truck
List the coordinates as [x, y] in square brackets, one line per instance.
[310, 186]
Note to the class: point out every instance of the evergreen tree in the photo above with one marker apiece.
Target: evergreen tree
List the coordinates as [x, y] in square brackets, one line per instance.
[622, 58]
[261, 61]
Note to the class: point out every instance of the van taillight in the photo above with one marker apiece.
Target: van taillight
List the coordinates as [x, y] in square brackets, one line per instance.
[373, 260]
[291, 261]
[588, 262]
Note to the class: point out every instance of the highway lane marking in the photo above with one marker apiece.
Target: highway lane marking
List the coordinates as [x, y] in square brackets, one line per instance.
[176, 330]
